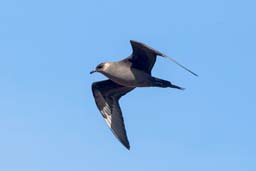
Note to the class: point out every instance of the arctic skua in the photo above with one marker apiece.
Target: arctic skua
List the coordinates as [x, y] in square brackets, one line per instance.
[125, 75]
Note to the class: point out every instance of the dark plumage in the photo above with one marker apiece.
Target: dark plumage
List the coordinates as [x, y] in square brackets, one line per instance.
[124, 76]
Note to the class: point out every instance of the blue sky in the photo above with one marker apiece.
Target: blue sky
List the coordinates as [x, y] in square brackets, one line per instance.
[48, 119]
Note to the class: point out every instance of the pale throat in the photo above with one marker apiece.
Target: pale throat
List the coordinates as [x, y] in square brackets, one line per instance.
[106, 65]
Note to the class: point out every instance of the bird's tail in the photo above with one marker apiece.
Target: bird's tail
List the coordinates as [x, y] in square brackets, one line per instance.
[164, 84]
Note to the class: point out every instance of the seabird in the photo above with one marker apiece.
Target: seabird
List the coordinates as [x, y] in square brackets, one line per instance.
[125, 75]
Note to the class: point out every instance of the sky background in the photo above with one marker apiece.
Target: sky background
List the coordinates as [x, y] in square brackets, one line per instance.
[48, 118]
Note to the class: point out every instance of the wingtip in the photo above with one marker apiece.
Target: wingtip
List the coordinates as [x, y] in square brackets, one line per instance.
[194, 74]
[173, 60]
[127, 147]
[126, 144]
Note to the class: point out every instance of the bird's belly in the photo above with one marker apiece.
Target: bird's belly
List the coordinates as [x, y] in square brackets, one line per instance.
[130, 78]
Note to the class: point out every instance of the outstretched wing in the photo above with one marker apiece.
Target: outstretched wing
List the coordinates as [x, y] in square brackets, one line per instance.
[106, 94]
[143, 57]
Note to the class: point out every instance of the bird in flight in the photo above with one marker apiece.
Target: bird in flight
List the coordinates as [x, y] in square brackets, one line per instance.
[125, 75]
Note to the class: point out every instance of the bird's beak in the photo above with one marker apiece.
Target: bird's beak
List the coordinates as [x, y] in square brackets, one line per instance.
[93, 71]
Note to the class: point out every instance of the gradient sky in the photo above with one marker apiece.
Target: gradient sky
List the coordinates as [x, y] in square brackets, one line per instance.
[48, 118]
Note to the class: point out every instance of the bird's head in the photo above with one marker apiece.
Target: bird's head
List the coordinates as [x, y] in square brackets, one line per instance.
[101, 67]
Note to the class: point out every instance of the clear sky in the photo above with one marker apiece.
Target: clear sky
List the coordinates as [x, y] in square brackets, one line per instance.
[48, 118]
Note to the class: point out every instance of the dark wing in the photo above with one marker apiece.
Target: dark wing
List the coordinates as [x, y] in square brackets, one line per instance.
[143, 57]
[106, 94]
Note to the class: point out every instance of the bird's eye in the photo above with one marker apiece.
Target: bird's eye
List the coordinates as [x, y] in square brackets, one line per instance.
[100, 66]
